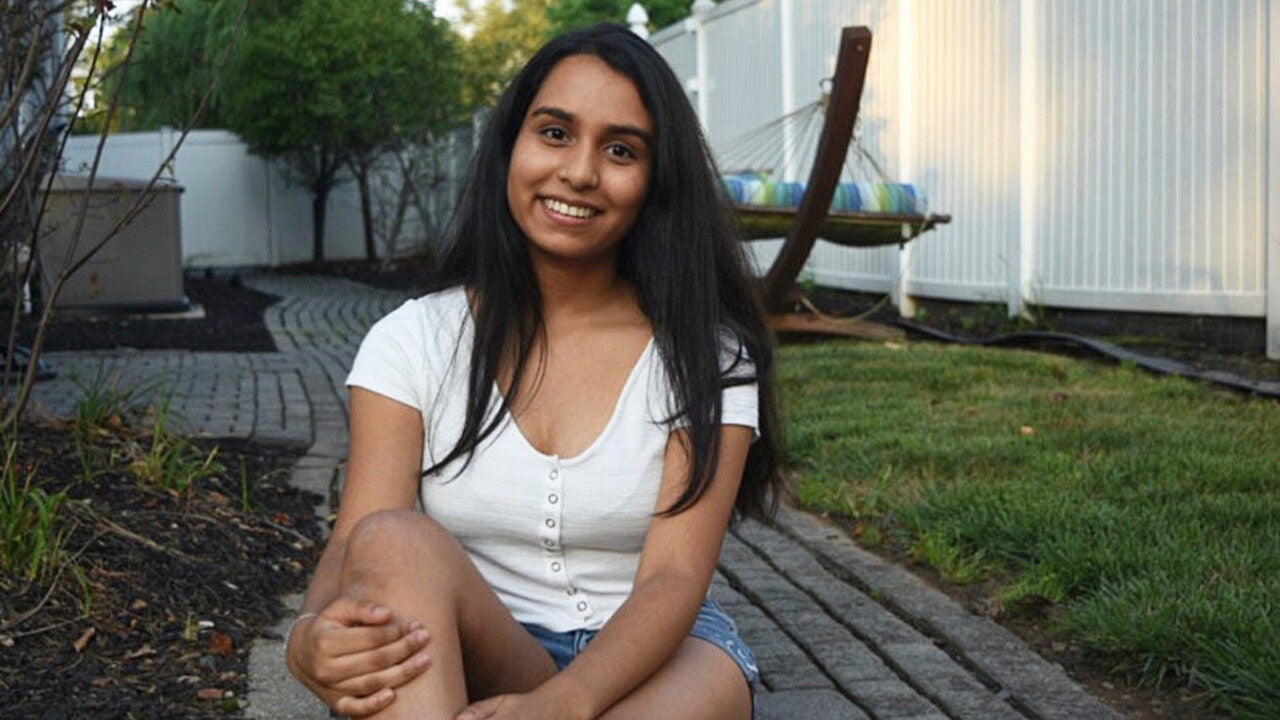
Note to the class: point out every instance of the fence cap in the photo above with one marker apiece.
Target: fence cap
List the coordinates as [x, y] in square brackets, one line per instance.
[63, 182]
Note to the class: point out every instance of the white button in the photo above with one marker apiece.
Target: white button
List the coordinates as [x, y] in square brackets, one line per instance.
[553, 498]
[551, 523]
[553, 474]
[571, 591]
[555, 567]
[582, 606]
[549, 543]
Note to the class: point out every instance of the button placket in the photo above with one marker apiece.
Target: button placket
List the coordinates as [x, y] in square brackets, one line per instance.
[551, 518]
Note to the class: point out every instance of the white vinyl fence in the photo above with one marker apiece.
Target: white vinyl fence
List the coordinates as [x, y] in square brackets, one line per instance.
[1093, 153]
[239, 210]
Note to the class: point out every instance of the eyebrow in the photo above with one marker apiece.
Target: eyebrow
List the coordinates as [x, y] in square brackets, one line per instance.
[566, 116]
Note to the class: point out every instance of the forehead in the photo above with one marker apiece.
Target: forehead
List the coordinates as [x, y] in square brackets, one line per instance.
[586, 87]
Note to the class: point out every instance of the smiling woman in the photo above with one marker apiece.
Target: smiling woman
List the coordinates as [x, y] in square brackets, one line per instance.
[580, 166]
[581, 406]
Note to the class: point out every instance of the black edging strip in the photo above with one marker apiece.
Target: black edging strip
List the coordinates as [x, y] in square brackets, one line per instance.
[1162, 366]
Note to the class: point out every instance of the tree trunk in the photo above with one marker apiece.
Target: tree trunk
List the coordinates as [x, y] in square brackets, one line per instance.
[318, 203]
[366, 208]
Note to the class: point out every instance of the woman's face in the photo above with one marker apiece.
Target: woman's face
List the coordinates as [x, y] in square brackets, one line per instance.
[581, 162]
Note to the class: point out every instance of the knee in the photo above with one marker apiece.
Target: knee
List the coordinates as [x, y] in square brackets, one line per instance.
[387, 532]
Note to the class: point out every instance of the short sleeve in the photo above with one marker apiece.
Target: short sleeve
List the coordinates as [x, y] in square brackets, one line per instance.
[392, 357]
[740, 404]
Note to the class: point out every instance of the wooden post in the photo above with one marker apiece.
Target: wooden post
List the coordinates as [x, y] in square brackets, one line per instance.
[842, 111]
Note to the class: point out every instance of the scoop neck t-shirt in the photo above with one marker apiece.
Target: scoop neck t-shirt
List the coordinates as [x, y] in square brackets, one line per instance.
[558, 539]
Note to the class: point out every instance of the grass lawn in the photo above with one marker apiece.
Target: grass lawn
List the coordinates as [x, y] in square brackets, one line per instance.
[1145, 509]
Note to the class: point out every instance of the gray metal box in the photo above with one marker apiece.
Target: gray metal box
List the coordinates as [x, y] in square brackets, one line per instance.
[139, 269]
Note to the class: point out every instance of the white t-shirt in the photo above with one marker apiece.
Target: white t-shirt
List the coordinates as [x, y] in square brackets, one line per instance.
[559, 539]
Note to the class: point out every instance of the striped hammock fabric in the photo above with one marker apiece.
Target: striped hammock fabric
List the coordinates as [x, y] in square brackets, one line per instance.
[888, 198]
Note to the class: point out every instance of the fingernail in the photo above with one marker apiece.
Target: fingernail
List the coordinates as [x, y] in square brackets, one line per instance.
[421, 661]
[421, 636]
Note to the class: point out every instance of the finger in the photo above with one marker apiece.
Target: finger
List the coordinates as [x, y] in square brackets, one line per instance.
[392, 677]
[361, 706]
[481, 710]
[340, 668]
[354, 611]
[337, 641]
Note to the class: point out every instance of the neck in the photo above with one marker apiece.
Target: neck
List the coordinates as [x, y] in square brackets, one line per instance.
[573, 291]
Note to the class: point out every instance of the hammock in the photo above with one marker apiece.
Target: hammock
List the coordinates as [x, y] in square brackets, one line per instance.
[867, 208]
[766, 166]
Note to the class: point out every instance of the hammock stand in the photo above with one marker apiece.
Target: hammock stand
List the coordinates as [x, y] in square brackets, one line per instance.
[813, 218]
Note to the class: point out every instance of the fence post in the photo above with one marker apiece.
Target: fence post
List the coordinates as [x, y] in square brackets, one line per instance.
[1021, 266]
[1272, 235]
[900, 287]
[638, 20]
[700, 84]
[787, 63]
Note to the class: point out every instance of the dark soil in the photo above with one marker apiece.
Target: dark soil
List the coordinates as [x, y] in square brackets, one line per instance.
[1205, 344]
[163, 591]
[231, 321]
[412, 274]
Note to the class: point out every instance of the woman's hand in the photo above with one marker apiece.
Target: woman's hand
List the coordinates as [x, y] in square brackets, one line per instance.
[355, 653]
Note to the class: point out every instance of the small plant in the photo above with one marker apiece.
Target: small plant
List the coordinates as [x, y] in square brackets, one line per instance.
[103, 404]
[32, 531]
[170, 461]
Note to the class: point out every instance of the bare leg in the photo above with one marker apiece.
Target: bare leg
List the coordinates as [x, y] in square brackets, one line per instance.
[409, 563]
[700, 682]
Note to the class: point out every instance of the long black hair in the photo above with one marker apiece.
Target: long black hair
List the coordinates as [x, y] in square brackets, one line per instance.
[683, 256]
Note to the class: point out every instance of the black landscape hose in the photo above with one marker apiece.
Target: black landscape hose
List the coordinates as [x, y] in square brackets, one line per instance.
[1041, 339]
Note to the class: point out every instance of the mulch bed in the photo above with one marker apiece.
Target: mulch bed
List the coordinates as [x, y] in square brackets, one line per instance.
[166, 589]
[232, 322]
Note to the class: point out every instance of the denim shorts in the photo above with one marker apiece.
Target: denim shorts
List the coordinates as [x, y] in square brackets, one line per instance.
[713, 625]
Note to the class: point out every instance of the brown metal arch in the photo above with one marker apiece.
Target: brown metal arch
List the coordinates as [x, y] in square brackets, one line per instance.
[833, 146]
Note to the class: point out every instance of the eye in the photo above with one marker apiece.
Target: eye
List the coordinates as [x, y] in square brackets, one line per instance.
[619, 151]
[554, 133]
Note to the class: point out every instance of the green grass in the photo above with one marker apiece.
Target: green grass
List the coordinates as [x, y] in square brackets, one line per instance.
[1147, 509]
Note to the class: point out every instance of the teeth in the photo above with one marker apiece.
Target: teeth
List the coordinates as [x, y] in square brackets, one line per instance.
[566, 209]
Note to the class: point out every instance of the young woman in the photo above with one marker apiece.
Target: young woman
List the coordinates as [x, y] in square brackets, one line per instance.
[546, 451]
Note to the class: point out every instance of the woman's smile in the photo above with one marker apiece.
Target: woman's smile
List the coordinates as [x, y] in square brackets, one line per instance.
[581, 162]
[569, 210]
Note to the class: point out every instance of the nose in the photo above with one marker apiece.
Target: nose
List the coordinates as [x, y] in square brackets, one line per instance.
[578, 169]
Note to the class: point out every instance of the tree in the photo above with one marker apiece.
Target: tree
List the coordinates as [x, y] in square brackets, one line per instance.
[565, 15]
[501, 42]
[407, 89]
[327, 84]
[173, 63]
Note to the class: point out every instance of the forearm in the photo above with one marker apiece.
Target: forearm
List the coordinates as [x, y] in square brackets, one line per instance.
[642, 636]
